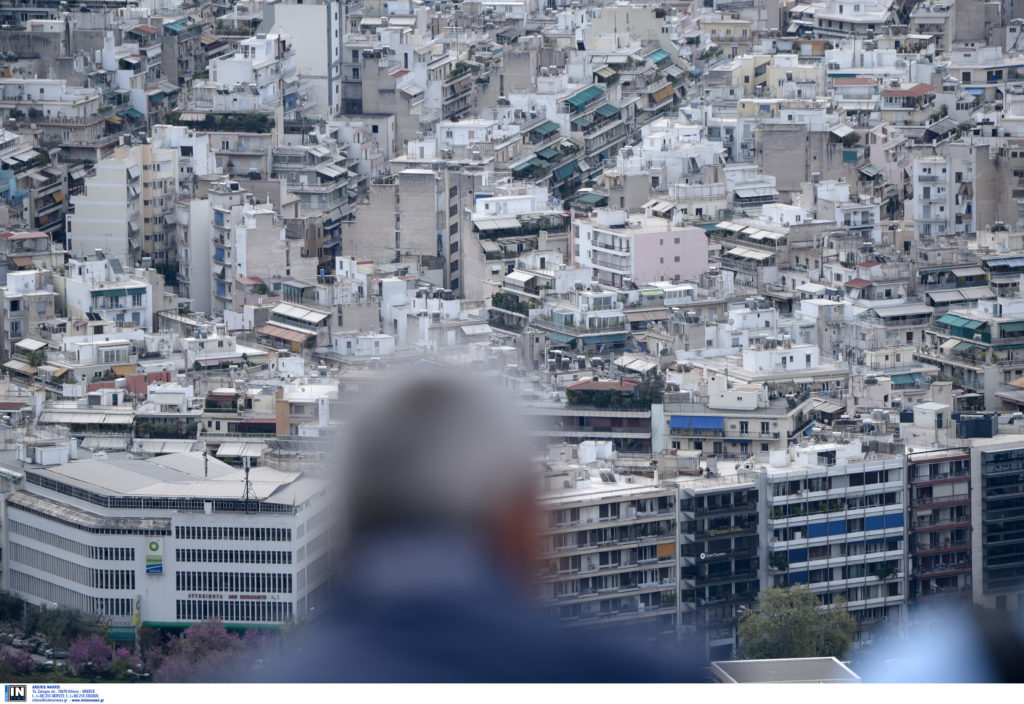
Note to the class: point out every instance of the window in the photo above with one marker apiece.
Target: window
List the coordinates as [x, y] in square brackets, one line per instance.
[15, 306]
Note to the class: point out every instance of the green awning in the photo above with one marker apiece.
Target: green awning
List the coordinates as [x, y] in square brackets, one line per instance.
[136, 292]
[563, 172]
[158, 96]
[548, 153]
[607, 111]
[952, 320]
[591, 198]
[973, 324]
[545, 128]
[109, 292]
[132, 113]
[1012, 327]
[908, 379]
[659, 55]
[587, 95]
[965, 347]
[584, 121]
[525, 166]
[559, 337]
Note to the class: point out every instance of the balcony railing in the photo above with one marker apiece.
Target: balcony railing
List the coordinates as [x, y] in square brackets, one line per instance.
[942, 569]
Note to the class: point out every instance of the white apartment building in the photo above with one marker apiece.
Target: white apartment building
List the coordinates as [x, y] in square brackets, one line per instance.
[932, 208]
[103, 288]
[833, 517]
[318, 56]
[127, 210]
[168, 541]
[254, 79]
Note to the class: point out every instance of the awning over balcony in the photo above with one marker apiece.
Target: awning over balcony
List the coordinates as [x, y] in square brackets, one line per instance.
[284, 333]
[30, 344]
[908, 379]
[545, 128]
[658, 55]
[21, 367]
[696, 422]
[662, 93]
[497, 224]
[585, 96]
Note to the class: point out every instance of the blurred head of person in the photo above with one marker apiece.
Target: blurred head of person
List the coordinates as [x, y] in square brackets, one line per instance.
[440, 452]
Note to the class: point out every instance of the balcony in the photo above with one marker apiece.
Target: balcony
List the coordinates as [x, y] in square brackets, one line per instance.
[940, 477]
[944, 569]
[929, 523]
[940, 500]
[936, 548]
[732, 508]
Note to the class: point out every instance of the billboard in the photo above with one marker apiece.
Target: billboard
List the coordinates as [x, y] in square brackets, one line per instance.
[155, 556]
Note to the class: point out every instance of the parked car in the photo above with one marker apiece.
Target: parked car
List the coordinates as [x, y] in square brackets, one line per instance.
[60, 654]
[17, 642]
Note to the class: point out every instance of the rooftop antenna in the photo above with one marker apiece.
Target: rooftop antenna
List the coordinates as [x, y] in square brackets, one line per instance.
[206, 464]
[248, 496]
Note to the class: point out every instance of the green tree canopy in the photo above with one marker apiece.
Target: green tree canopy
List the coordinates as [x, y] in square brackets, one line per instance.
[790, 623]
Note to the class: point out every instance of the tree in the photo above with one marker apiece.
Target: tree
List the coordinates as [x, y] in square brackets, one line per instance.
[89, 655]
[851, 139]
[207, 652]
[790, 623]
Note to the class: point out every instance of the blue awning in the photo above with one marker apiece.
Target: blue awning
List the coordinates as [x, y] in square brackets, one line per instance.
[976, 91]
[679, 422]
[707, 422]
[599, 339]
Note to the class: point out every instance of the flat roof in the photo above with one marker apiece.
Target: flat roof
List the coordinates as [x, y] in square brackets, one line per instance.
[789, 670]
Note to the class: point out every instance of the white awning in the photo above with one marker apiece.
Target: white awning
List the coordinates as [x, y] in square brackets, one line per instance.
[841, 131]
[520, 277]
[909, 309]
[30, 344]
[497, 224]
[329, 171]
[298, 313]
[747, 253]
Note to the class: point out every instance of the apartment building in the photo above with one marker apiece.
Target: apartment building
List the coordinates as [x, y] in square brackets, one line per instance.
[834, 519]
[127, 547]
[977, 347]
[641, 248]
[101, 289]
[939, 531]
[735, 420]
[26, 301]
[997, 553]
[720, 554]
[609, 548]
[127, 210]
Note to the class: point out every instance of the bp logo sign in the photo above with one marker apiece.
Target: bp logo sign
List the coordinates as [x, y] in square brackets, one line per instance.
[154, 558]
